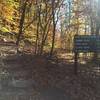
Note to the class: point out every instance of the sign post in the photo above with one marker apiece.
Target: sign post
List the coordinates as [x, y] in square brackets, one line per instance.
[76, 63]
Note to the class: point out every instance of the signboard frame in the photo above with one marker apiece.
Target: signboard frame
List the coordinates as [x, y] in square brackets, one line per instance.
[86, 43]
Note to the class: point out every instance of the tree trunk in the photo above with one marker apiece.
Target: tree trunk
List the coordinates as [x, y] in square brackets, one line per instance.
[21, 24]
[54, 28]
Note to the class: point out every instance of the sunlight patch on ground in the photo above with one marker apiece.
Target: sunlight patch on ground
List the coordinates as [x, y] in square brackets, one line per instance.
[70, 58]
[82, 62]
[97, 69]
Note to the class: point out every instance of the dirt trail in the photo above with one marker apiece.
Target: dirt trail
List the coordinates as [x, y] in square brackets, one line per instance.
[27, 77]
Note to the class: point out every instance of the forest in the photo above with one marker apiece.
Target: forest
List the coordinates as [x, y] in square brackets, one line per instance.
[50, 49]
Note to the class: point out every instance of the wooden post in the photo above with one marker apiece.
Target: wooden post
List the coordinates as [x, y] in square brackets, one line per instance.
[76, 63]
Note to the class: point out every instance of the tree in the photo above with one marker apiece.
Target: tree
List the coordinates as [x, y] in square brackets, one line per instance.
[55, 11]
[21, 22]
[8, 15]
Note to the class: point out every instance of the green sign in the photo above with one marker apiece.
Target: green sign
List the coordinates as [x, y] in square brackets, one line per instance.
[87, 43]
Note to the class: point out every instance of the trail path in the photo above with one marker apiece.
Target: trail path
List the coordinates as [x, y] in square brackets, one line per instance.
[27, 77]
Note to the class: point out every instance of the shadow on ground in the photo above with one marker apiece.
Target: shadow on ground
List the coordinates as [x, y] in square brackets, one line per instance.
[39, 77]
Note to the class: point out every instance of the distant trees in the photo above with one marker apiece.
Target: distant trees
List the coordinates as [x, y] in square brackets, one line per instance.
[8, 15]
[77, 17]
[41, 22]
[48, 16]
